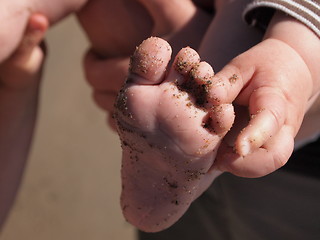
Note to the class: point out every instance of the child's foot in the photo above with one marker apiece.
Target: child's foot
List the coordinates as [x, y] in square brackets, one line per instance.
[106, 63]
[170, 132]
[19, 82]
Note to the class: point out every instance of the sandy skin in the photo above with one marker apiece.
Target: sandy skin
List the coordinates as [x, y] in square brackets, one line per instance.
[170, 141]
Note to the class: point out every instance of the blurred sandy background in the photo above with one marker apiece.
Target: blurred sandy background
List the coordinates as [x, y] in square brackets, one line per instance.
[71, 185]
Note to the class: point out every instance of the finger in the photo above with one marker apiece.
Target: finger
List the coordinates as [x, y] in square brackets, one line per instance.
[165, 16]
[264, 160]
[105, 100]
[112, 122]
[107, 74]
[34, 33]
[19, 70]
[268, 109]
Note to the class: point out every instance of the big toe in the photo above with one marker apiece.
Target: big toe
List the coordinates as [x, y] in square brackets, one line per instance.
[149, 62]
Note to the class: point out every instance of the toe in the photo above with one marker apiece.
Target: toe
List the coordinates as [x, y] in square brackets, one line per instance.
[185, 60]
[199, 83]
[202, 73]
[221, 118]
[149, 62]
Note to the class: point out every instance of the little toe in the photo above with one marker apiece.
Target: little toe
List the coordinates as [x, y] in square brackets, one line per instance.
[149, 62]
[221, 119]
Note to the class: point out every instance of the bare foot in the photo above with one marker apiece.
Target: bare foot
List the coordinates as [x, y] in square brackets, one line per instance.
[19, 82]
[107, 61]
[170, 132]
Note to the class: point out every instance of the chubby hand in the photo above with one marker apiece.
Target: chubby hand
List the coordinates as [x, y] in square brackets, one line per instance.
[273, 84]
[106, 77]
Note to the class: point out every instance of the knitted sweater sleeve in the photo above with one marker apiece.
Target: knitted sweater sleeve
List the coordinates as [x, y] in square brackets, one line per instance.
[259, 12]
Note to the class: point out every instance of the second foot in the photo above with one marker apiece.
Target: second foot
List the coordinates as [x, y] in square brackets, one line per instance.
[170, 131]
